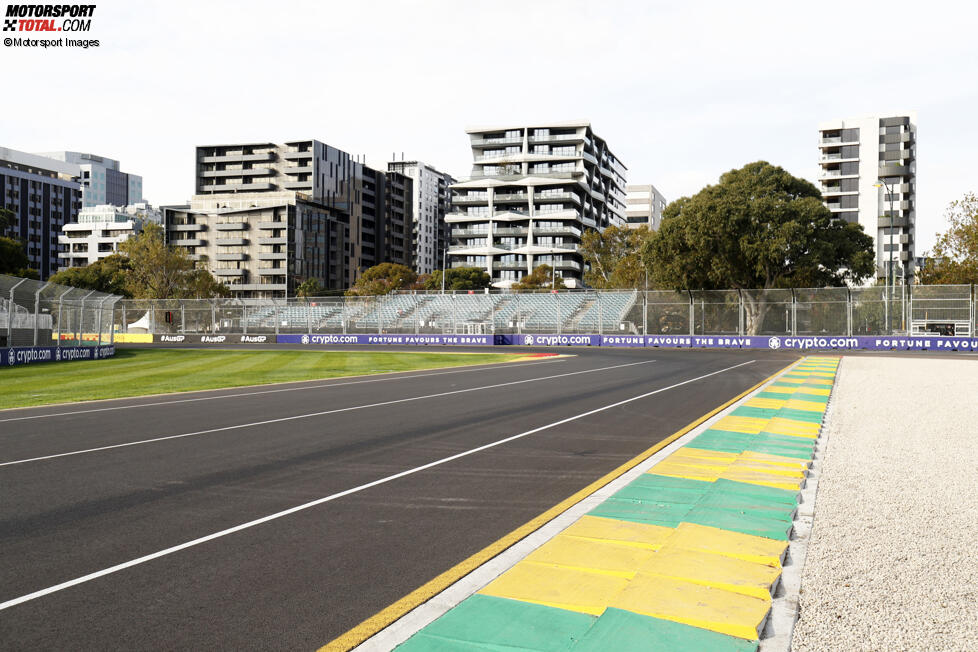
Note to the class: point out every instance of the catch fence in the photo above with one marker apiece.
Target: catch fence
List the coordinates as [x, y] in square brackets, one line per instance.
[900, 310]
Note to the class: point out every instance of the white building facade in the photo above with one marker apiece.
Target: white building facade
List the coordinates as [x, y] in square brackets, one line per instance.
[644, 206]
[868, 175]
[535, 188]
[432, 199]
[100, 230]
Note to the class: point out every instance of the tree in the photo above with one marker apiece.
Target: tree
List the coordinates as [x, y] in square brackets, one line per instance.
[759, 228]
[13, 253]
[107, 274]
[541, 277]
[459, 278]
[614, 257]
[308, 288]
[383, 279]
[955, 255]
[158, 271]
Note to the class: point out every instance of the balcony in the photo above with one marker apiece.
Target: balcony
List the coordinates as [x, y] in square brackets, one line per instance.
[231, 242]
[491, 142]
[510, 230]
[509, 265]
[236, 187]
[186, 227]
[298, 169]
[462, 199]
[238, 158]
[894, 170]
[189, 242]
[557, 138]
[231, 226]
[510, 196]
[560, 230]
[272, 226]
[268, 287]
[295, 155]
[566, 264]
[273, 256]
[229, 272]
[231, 257]
[461, 233]
[252, 172]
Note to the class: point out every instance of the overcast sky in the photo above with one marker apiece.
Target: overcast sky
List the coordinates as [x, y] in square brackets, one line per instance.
[682, 92]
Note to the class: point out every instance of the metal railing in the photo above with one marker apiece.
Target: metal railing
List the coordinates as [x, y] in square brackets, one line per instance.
[34, 313]
[948, 310]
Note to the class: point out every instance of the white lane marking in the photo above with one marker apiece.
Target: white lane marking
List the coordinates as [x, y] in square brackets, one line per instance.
[493, 367]
[316, 414]
[298, 508]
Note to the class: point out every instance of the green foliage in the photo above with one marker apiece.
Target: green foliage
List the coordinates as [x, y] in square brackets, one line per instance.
[105, 275]
[158, 271]
[309, 288]
[955, 255]
[13, 256]
[383, 279]
[758, 228]
[7, 218]
[459, 278]
[540, 278]
[614, 257]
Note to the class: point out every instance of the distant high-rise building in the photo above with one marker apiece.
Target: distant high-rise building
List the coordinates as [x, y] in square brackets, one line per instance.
[535, 188]
[100, 230]
[102, 180]
[266, 217]
[432, 200]
[869, 176]
[644, 205]
[44, 196]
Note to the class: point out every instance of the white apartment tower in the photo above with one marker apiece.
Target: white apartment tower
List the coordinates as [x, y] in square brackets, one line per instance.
[868, 174]
[644, 206]
[535, 188]
[432, 199]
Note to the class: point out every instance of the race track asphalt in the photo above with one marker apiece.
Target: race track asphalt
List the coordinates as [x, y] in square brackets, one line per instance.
[299, 580]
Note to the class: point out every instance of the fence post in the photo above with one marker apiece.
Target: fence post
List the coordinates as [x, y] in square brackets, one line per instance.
[37, 309]
[308, 318]
[794, 314]
[454, 314]
[183, 318]
[414, 315]
[244, 318]
[600, 314]
[213, 315]
[275, 318]
[61, 313]
[692, 313]
[125, 322]
[645, 313]
[81, 318]
[10, 314]
[557, 299]
[98, 323]
[849, 312]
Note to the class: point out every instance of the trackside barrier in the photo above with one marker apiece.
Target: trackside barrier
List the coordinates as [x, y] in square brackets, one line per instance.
[834, 342]
[21, 355]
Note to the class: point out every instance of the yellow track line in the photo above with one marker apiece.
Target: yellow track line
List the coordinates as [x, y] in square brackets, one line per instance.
[433, 587]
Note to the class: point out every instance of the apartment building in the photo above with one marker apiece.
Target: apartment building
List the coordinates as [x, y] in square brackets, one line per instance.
[100, 230]
[644, 206]
[267, 216]
[43, 195]
[431, 201]
[534, 190]
[103, 182]
[868, 175]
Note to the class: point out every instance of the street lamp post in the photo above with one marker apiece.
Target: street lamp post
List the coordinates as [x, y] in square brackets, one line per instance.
[889, 266]
[444, 270]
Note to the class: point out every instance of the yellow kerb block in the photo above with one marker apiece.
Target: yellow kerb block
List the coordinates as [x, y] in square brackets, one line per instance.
[591, 555]
[747, 425]
[748, 547]
[766, 403]
[721, 611]
[796, 402]
[639, 535]
[788, 462]
[782, 426]
[764, 479]
[554, 586]
[727, 573]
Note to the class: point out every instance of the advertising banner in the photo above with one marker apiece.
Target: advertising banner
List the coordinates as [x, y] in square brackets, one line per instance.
[21, 355]
[211, 338]
[548, 340]
[408, 339]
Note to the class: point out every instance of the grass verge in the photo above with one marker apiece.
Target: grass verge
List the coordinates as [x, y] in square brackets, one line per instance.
[137, 372]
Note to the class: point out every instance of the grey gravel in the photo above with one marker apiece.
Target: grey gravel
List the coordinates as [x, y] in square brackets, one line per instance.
[892, 562]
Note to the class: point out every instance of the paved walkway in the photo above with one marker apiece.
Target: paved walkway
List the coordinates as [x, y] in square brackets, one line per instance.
[892, 563]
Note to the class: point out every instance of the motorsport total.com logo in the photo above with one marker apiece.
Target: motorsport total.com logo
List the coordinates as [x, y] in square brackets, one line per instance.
[48, 18]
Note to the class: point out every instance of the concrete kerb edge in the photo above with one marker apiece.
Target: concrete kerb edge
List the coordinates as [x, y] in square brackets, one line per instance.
[410, 623]
[780, 626]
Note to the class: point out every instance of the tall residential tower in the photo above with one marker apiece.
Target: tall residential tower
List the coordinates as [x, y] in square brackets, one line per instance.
[869, 175]
[535, 188]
